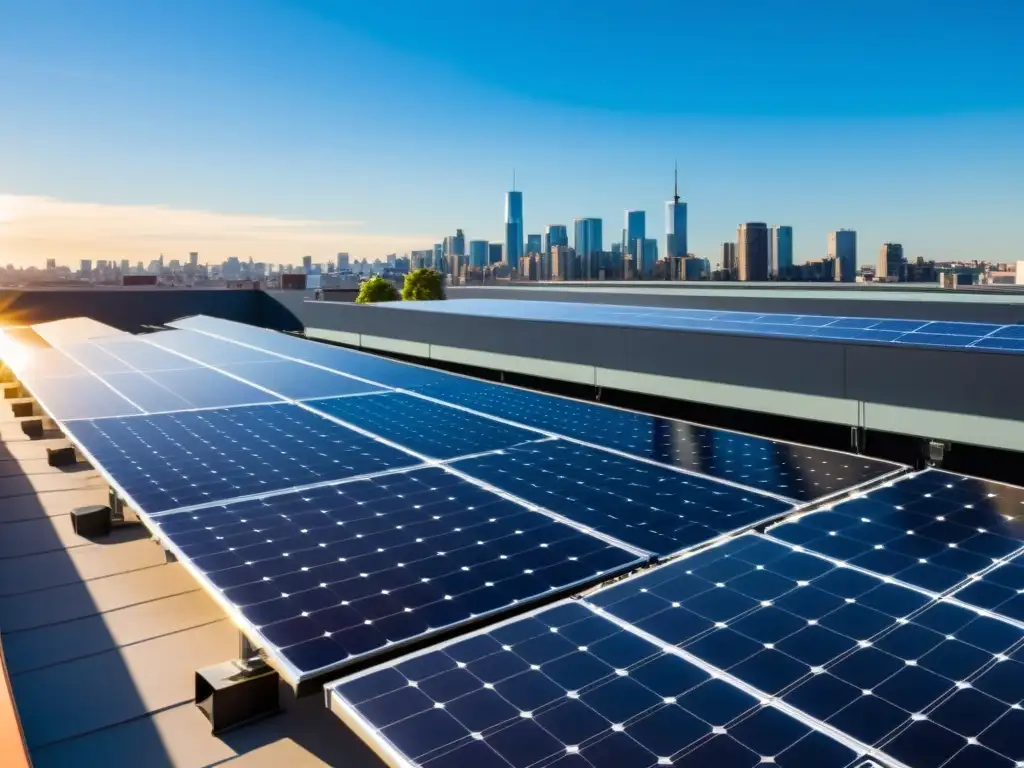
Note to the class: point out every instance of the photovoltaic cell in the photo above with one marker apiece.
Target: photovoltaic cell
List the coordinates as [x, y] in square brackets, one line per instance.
[1000, 590]
[923, 333]
[641, 504]
[336, 573]
[298, 381]
[143, 390]
[78, 397]
[569, 688]
[207, 350]
[926, 682]
[797, 472]
[139, 355]
[932, 530]
[180, 459]
[431, 429]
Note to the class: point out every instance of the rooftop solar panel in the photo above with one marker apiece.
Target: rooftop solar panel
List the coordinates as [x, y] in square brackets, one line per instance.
[642, 504]
[798, 472]
[428, 428]
[139, 355]
[950, 335]
[78, 397]
[333, 574]
[1000, 590]
[933, 530]
[162, 462]
[207, 350]
[297, 381]
[921, 680]
[147, 393]
[566, 687]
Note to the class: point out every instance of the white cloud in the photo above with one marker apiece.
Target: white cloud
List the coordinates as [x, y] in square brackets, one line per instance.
[33, 229]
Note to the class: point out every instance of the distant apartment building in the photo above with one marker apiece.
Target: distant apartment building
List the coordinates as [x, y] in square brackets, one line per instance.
[752, 251]
[890, 262]
[842, 247]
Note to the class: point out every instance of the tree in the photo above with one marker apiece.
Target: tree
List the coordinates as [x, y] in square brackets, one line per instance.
[376, 289]
[423, 285]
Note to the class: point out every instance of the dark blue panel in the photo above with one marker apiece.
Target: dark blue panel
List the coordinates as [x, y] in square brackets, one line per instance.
[336, 573]
[932, 530]
[509, 697]
[78, 397]
[206, 349]
[795, 471]
[1001, 343]
[206, 388]
[973, 330]
[193, 457]
[297, 381]
[1010, 332]
[146, 392]
[843, 647]
[922, 339]
[431, 429]
[1001, 590]
[378, 369]
[142, 356]
[638, 503]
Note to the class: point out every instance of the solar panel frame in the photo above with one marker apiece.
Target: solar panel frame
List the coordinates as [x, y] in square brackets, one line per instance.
[617, 657]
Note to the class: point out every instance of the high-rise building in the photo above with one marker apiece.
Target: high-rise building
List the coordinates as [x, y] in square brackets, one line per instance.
[86, 267]
[842, 246]
[554, 235]
[729, 259]
[563, 263]
[648, 257]
[752, 251]
[342, 262]
[126, 266]
[780, 249]
[675, 226]
[479, 253]
[193, 259]
[635, 230]
[454, 252]
[307, 264]
[494, 253]
[513, 226]
[890, 262]
[51, 264]
[588, 246]
[438, 262]
[533, 244]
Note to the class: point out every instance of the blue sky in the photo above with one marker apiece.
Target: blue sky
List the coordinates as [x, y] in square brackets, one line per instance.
[273, 129]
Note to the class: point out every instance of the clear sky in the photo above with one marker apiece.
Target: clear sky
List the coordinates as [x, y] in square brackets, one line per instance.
[274, 128]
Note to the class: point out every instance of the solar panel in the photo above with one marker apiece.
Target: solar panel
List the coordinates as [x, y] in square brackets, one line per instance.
[921, 680]
[207, 350]
[147, 393]
[437, 431]
[797, 472]
[333, 574]
[298, 381]
[642, 504]
[566, 687]
[951, 335]
[933, 530]
[77, 397]
[139, 355]
[1000, 590]
[165, 461]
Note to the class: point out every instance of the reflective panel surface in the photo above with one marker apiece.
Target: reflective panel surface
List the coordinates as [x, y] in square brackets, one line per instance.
[193, 457]
[297, 381]
[332, 574]
[569, 688]
[641, 504]
[78, 397]
[933, 530]
[437, 431]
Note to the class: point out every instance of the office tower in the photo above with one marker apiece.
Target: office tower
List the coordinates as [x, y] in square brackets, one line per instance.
[752, 251]
[675, 226]
[438, 262]
[307, 264]
[454, 252]
[648, 257]
[86, 267]
[126, 266]
[193, 259]
[554, 235]
[842, 246]
[729, 258]
[479, 253]
[890, 262]
[780, 249]
[692, 268]
[342, 262]
[513, 225]
[533, 244]
[563, 263]
[588, 246]
[636, 229]
[494, 253]
[51, 264]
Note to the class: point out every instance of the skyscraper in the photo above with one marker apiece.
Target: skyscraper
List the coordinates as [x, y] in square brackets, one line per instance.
[780, 249]
[454, 252]
[307, 264]
[890, 262]
[588, 246]
[193, 259]
[752, 251]
[675, 226]
[729, 259]
[533, 244]
[438, 261]
[479, 253]
[648, 257]
[513, 225]
[635, 230]
[494, 253]
[555, 235]
[343, 262]
[842, 246]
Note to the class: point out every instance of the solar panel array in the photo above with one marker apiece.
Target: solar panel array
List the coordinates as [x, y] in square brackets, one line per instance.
[915, 333]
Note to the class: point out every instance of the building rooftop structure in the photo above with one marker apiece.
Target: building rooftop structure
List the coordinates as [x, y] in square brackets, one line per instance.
[202, 436]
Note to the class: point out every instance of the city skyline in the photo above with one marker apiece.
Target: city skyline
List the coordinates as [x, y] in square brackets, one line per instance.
[131, 130]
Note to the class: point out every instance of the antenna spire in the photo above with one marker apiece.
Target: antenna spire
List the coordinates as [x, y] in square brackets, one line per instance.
[513, 179]
[676, 194]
